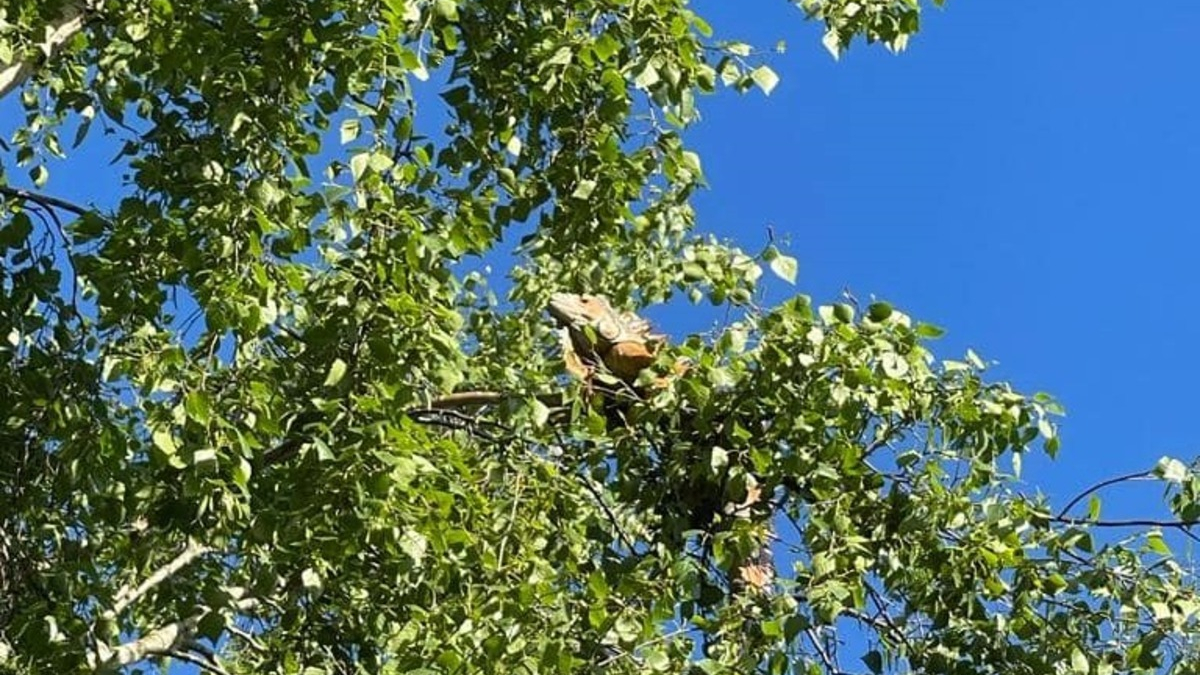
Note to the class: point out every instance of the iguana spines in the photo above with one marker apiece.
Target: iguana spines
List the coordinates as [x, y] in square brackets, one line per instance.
[599, 334]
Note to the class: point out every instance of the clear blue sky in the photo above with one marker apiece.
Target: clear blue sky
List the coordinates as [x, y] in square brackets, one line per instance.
[1025, 175]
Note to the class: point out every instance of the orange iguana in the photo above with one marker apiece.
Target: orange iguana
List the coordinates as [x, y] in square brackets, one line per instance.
[598, 336]
[594, 337]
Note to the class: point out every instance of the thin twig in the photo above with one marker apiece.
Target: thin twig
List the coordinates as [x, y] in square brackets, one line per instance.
[1141, 475]
[44, 200]
[599, 497]
[830, 665]
[1182, 526]
[883, 615]
[245, 635]
[208, 663]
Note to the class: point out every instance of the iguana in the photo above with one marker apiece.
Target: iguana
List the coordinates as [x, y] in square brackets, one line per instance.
[598, 336]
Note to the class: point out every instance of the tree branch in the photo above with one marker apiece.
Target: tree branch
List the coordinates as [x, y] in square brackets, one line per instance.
[163, 640]
[57, 33]
[468, 399]
[1181, 525]
[127, 596]
[1141, 475]
[207, 663]
[43, 200]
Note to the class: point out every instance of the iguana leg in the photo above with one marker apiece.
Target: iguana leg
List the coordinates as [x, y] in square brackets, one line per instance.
[757, 572]
[627, 359]
[572, 361]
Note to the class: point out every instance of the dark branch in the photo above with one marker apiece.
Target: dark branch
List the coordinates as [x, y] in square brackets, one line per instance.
[206, 664]
[43, 200]
[1183, 526]
[1141, 475]
[453, 419]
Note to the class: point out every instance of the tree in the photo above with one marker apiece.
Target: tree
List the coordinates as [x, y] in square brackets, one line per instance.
[227, 433]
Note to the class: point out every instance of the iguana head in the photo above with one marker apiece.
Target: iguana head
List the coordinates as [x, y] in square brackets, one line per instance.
[597, 331]
[577, 312]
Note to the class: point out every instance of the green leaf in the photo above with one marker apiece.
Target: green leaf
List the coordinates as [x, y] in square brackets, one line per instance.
[738, 48]
[843, 312]
[205, 459]
[929, 331]
[358, 164]
[718, 459]
[447, 9]
[1154, 542]
[540, 412]
[414, 544]
[164, 440]
[350, 129]
[137, 30]
[1079, 662]
[513, 146]
[584, 189]
[785, 267]
[874, 661]
[16, 232]
[242, 473]
[879, 312]
[598, 585]
[656, 660]
[310, 580]
[197, 406]
[647, 78]
[627, 629]
[1171, 470]
[975, 361]
[337, 370]
[693, 271]
[833, 43]
[765, 78]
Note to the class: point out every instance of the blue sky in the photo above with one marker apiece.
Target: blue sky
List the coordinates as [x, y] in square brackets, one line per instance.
[1024, 176]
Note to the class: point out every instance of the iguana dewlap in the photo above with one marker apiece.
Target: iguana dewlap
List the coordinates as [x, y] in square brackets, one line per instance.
[599, 334]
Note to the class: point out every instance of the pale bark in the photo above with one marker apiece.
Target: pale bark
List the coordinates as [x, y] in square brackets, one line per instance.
[161, 641]
[56, 34]
[127, 596]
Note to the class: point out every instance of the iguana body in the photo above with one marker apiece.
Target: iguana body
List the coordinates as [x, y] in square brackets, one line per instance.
[598, 336]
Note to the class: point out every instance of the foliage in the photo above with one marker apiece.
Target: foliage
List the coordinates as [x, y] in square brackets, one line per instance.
[223, 436]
